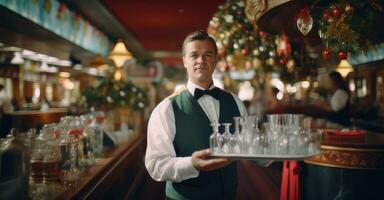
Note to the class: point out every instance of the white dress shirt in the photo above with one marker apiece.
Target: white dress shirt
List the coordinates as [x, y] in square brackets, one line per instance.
[160, 158]
[339, 100]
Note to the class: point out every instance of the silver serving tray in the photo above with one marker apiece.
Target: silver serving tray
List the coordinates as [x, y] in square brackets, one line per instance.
[264, 156]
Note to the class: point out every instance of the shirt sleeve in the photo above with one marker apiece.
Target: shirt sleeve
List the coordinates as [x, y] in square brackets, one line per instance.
[160, 157]
[339, 100]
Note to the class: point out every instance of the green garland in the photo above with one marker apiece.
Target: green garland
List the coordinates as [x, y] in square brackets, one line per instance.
[349, 25]
[111, 93]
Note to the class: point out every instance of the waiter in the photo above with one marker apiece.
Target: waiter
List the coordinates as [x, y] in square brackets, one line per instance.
[179, 130]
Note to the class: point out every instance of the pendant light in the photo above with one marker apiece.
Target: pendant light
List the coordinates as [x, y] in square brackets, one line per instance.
[120, 54]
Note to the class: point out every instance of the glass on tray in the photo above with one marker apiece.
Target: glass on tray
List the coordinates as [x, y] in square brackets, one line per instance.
[285, 135]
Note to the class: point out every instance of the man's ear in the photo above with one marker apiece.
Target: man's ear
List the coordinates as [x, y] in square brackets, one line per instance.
[184, 62]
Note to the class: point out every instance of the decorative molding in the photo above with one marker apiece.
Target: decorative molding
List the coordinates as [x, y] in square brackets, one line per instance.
[255, 9]
[353, 158]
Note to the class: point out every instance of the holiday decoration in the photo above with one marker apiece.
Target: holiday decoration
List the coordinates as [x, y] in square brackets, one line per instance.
[283, 48]
[304, 21]
[238, 40]
[112, 93]
[336, 12]
[326, 54]
[346, 26]
[343, 55]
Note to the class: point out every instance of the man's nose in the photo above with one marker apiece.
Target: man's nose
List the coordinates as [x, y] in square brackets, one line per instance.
[200, 59]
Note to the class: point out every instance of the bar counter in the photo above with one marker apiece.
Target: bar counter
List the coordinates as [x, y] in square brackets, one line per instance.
[116, 175]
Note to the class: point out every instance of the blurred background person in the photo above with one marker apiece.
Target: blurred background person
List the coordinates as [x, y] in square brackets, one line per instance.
[5, 107]
[337, 108]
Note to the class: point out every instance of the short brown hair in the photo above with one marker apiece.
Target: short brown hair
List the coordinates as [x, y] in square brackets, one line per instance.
[198, 35]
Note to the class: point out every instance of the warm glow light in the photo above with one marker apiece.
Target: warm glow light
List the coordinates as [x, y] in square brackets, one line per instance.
[120, 54]
[305, 84]
[344, 68]
[64, 74]
[69, 85]
[277, 83]
[118, 75]
[279, 96]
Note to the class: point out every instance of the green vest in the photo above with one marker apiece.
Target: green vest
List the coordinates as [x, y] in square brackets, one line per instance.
[192, 134]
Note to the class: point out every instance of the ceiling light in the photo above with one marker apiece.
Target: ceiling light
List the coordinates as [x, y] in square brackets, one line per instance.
[28, 53]
[120, 54]
[44, 66]
[344, 68]
[17, 59]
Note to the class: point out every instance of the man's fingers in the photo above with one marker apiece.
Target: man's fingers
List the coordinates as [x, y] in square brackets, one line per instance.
[212, 164]
[202, 153]
[216, 161]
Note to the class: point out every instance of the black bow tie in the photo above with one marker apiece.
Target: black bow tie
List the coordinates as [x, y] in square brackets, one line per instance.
[215, 93]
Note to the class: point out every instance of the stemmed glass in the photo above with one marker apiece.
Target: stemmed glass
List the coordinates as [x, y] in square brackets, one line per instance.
[214, 139]
[226, 139]
[237, 139]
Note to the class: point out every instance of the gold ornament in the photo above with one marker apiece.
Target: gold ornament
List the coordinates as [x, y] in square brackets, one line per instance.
[349, 9]
[254, 9]
[238, 60]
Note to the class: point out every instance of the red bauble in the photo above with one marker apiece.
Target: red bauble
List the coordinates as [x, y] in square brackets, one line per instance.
[326, 15]
[282, 61]
[326, 54]
[262, 34]
[244, 51]
[222, 53]
[336, 12]
[343, 55]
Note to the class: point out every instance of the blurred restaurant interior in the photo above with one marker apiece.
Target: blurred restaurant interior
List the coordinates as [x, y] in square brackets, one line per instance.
[72, 72]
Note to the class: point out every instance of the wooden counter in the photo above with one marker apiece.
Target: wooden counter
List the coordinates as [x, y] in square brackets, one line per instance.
[112, 177]
[116, 175]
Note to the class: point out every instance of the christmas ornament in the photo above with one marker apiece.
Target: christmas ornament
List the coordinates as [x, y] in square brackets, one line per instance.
[346, 30]
[326, 54]
[343, 55]
[263, 34]
[282, 61]
[336, 12]
[348, 9]
[326, 15]
[283, 48]
[244, 51]
[304, 21]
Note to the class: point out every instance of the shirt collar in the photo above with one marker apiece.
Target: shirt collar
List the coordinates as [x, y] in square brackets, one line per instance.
[192, 86]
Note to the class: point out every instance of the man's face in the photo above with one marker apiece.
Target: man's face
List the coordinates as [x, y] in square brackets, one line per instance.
[200, 61]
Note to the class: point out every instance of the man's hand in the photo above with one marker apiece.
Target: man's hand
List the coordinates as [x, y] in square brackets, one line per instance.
[202, 162]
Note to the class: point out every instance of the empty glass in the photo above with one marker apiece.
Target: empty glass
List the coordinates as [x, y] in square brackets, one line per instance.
[214, 138]
[285, 134]
[237, 139]
[227, 147]
[315, 137]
